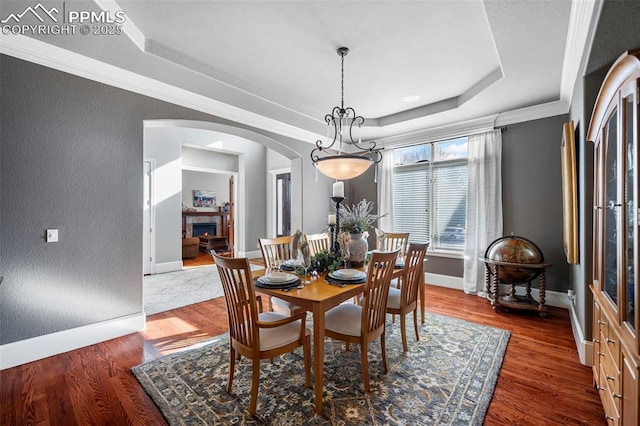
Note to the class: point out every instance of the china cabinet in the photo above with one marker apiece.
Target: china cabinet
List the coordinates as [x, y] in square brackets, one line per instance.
[614, 132]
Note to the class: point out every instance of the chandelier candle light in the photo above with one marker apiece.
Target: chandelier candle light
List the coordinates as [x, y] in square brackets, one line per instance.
[344, 165]
[338, 196]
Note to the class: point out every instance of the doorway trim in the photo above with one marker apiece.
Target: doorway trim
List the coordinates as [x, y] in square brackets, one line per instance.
[149, 232]
[271, 205]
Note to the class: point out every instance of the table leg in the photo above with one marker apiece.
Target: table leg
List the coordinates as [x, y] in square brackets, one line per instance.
[318, 354]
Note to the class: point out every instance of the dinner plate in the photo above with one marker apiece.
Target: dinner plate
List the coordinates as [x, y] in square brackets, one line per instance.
[347, 274]
[278, 278]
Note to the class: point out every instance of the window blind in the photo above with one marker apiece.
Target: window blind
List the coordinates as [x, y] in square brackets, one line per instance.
[450, 204]
[412, 201]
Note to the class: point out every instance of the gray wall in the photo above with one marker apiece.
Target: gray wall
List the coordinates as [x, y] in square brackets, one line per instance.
[532, 191]
[71, 153]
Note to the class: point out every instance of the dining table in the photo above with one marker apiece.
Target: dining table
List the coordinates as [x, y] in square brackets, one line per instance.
[317, 297]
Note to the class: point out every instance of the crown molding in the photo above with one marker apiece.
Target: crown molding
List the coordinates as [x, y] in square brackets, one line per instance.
[535, 112]
[50, 56]
[582, 24]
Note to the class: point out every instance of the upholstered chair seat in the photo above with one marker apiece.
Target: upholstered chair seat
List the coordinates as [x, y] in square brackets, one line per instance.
[344, 319]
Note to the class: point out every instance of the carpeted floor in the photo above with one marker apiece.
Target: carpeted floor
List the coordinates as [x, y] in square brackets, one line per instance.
[446, 378]
[173, 290]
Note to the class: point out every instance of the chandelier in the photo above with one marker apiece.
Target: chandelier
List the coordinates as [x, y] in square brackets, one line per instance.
[342, 120]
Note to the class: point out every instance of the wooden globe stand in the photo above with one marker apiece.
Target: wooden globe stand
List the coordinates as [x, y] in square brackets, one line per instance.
[492, 283]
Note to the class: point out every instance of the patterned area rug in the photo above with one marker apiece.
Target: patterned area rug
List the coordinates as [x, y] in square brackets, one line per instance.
[446, 378]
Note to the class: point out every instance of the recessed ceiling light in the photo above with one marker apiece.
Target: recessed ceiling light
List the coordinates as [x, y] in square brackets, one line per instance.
[411, 98]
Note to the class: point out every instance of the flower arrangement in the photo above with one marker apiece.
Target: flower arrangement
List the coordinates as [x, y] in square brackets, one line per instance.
[358, 218]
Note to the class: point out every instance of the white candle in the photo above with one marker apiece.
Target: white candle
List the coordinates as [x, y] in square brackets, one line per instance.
[338, 189]
[332, 219]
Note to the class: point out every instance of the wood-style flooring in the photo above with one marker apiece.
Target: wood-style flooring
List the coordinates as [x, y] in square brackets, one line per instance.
[541, 381]
[203, 259]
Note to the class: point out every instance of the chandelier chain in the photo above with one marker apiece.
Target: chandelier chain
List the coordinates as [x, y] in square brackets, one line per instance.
[342, 83]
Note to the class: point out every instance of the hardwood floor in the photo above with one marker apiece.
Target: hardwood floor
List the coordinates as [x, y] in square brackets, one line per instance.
[541, 381]
[203, 259]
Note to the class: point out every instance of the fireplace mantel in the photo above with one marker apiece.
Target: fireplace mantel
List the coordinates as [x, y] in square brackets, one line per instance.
[201, 213]
[222, 232]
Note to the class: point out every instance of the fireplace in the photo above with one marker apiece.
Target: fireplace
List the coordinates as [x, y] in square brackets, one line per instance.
[208, 228]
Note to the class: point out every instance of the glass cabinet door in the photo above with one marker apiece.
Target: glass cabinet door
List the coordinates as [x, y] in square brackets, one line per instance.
[631, 209]
[611, 207]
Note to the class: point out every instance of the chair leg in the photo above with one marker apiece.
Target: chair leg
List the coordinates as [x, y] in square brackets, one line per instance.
[348, 346]
[232, 367]
[415, 322]
[365, 366]
[254, 386]
[384, 352]
[403, 331]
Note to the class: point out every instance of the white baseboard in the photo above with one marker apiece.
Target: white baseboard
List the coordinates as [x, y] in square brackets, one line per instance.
[161, 268]
[28, 350]
[585, 347]
[443, 280]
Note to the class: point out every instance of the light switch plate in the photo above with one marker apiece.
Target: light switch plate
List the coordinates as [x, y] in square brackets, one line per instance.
[52, 235]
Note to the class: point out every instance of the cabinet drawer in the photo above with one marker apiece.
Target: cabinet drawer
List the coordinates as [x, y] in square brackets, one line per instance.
[611, 408]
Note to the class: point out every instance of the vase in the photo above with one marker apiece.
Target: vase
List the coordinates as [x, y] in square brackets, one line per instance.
[358, 247]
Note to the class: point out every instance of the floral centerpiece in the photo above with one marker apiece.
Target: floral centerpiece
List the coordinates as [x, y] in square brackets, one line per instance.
[358, 218]
[356, 221]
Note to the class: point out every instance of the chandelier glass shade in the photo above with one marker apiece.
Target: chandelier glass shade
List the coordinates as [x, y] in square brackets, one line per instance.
[340, 126]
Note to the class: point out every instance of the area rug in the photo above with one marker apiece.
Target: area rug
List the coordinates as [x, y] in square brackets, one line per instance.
[446, 378]
[172, 290]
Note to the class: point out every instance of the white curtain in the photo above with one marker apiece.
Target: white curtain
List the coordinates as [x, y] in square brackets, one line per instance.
[385, 190]
[484, 205]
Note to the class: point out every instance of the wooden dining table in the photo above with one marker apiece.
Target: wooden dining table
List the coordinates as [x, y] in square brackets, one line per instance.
[318, 297]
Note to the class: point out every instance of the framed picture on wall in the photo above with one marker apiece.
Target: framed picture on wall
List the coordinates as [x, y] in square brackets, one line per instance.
[569, 194]
[204, 198]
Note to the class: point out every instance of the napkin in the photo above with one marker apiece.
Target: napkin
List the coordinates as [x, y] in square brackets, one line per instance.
[295, 240]
[380, 237]
[343, 240]
[306, 252]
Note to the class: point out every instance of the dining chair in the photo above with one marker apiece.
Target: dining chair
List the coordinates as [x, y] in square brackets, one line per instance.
[392, 241]
[362, 324]
[404, 300]
[254, 335]
[318, 243]
[274, 252]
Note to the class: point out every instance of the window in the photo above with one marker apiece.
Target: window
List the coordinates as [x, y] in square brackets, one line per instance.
[430, 193]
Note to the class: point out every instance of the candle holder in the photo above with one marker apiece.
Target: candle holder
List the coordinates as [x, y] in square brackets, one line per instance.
[335, 247]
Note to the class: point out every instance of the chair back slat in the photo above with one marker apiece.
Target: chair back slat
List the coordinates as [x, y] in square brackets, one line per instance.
[318, 243]
[275, 250]
[376, 290]
[393, 241]
[242, 312]
[412, 270]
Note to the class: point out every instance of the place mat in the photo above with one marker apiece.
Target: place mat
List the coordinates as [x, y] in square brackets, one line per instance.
[347, 274]
[332, 280]
[288, 267]
[276, 286]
